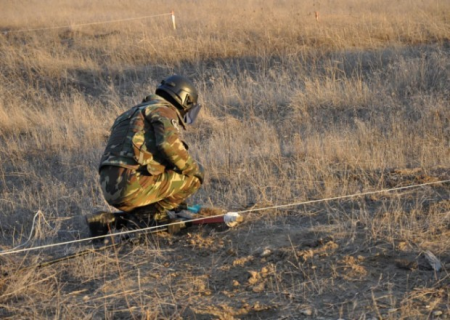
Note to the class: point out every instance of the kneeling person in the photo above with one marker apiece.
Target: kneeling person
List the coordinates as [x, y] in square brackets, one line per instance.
[146, 169]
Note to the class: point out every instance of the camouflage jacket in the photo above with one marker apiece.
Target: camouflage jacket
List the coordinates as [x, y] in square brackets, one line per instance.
[147, 137]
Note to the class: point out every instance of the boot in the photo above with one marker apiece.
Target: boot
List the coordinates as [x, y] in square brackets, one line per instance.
[99, 224]
[139, 218]
[148, 216]
[139, 221]
[120, 220]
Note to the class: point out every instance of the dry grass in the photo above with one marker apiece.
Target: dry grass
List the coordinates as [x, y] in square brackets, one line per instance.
[296, 109]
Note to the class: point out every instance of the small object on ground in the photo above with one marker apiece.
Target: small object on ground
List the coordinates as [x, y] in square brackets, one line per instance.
[306, 312]
[195, 208]
[266, 252]
[232, 219]
[433, 261]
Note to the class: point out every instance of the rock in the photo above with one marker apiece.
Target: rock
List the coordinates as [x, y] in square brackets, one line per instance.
[266, 252]
[259, 288]
[306, 312]
[254, 277]
[437, 313]
[263, 252]
[433, 261]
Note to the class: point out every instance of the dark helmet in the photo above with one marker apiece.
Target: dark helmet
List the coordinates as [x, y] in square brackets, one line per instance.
[179, 91]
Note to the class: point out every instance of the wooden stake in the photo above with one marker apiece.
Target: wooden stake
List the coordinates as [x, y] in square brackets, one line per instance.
[173, 21]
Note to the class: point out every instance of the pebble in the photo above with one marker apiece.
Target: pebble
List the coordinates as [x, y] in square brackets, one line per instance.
[259, 288]
[266, 252]
[306, 312]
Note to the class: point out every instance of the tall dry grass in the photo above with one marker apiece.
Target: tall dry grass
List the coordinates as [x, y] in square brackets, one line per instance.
[295, 109]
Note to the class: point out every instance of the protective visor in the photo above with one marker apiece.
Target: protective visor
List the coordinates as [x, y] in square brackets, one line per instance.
[192, 114]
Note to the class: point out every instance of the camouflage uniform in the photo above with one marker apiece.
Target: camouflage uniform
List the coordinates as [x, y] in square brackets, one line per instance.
[145, 161]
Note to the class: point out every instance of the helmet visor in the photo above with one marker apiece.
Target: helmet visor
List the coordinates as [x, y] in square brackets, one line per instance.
[192, 114]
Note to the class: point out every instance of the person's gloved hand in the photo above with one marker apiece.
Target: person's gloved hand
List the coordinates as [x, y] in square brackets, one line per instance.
[195, 169]
[200, 173]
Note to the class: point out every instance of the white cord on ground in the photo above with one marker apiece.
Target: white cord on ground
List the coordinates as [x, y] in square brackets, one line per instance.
[221, 215]
[31, 232]
[346, 197]
[33, 225]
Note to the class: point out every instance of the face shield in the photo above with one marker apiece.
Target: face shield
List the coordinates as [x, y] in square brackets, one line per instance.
[192, 114]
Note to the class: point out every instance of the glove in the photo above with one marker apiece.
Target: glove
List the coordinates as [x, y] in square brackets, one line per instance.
[195, 169]
[200, 173]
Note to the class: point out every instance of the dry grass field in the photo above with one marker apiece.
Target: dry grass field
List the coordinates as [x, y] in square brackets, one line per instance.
[297, 108]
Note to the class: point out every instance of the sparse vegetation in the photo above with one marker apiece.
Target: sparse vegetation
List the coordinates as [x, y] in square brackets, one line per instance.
[295, 109]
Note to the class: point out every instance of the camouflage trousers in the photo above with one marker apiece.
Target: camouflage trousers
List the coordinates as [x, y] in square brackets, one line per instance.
[128, 189]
